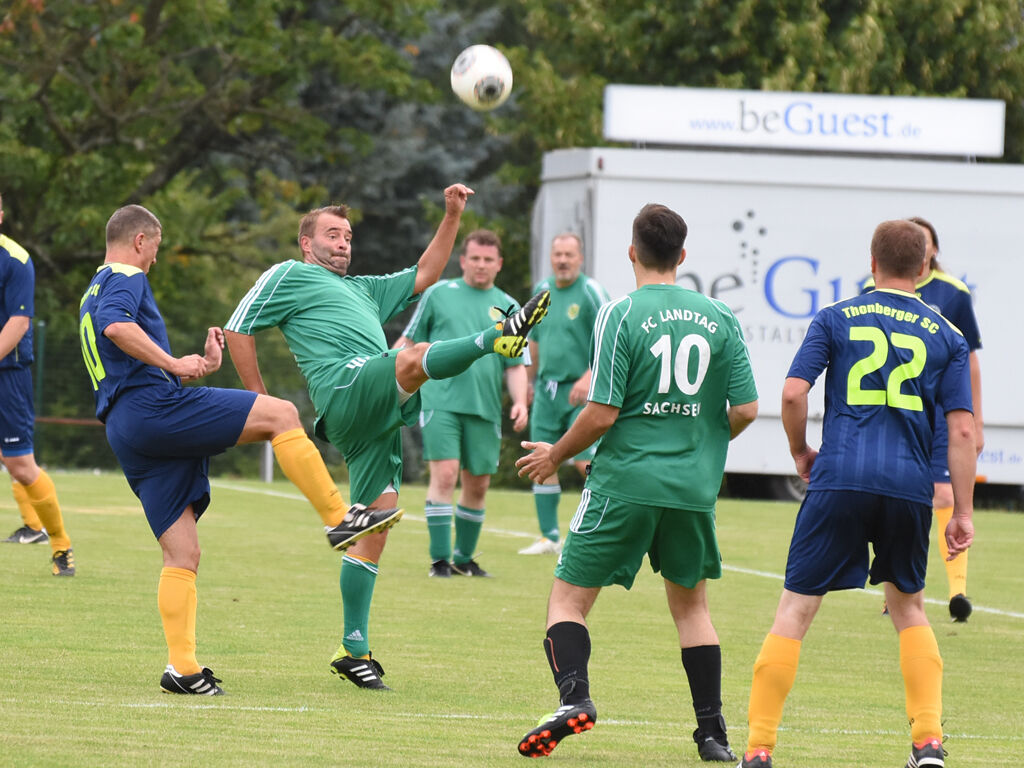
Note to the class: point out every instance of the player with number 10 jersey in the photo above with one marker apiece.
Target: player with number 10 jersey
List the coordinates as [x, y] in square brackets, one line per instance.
[671, 360]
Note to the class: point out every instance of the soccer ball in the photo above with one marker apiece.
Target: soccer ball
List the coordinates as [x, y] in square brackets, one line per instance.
[482, 77]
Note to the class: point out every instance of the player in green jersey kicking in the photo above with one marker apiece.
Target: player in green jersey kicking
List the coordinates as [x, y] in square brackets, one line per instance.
[362, 391]
[671, 385]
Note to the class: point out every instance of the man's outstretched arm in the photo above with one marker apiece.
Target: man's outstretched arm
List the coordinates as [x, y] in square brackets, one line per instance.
[243, 354]
[435, 257]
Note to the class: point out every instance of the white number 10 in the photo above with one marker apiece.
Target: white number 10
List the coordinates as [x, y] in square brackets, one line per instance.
[663, 348]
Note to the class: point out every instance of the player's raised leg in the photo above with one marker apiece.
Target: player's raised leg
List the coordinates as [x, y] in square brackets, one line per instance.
[278, 421]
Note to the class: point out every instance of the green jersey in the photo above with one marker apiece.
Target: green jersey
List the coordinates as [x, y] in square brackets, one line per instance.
[568, 328]
[329, 321]
[671, 360]
[449, 310]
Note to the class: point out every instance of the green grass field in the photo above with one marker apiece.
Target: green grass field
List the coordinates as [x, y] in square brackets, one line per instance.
[80, 659]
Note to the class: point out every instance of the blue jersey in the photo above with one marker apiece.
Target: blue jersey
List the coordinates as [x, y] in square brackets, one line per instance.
[949, 297]
[17, 286]
[120, 293]
[892, 362]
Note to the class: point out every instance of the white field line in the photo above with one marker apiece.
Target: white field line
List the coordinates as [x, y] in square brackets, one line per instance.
[219, 704]
[874, 593]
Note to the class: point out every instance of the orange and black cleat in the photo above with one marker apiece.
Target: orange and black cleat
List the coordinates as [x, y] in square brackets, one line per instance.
[569, 719]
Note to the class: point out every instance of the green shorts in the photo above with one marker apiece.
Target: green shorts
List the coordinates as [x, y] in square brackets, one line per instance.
[608, 539]
[473, 440]
[362, 419]
[551, 415]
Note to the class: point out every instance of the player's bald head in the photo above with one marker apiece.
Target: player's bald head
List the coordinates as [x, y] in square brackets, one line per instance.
[128, 221]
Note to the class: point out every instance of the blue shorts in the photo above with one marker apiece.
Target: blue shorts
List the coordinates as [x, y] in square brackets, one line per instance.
[163, 440]
[940, 451]
[17, 415]
[829, 550]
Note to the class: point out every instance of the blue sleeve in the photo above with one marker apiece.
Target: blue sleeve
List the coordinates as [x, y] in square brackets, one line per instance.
[19, 288]
[118, 301]
[813, 356]
[964, 319]
[955, 386]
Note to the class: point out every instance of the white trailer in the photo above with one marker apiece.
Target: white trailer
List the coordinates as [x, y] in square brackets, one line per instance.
[776, 237]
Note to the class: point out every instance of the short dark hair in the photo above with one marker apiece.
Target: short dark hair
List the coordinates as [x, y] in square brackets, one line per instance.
[307, 226]
[899, 247]
[934, 264]
[658, 237]
[130, 220]
[483, 237]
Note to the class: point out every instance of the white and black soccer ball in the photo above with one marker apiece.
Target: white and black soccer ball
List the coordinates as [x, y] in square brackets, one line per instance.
[482, 77]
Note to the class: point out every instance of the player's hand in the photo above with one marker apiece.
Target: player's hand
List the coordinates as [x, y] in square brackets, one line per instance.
[214, 349]
[537, 465]
[959, 535]
[455, 198]
[520, 416]
[578, 393]
[804, 461]
[189, 367]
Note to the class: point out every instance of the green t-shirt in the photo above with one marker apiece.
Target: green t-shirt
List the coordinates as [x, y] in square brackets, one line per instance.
[565, 335]
[672, 360]
[327, 320]
[452, 309]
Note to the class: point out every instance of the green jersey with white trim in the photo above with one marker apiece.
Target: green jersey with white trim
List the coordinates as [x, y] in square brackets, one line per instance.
[326, 319]
[565, 335]
[671, 360]
[452, 309]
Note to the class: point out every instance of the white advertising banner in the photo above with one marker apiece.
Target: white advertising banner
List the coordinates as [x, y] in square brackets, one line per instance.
[809, 121]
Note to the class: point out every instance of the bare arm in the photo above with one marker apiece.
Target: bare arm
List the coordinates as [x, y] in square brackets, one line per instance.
[243, 354]
[794, 421]
[435, 257]
[134, 341]
[15, 327]
[516, 381]
[741, 416]
[580, 389]
[979, 421]
[963, 466]
[594, 420]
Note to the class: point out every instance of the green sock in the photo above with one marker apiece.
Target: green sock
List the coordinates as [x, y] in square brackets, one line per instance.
[449, 358]
[546, 498]
[357, 579]
[439, 526]
[468, 523]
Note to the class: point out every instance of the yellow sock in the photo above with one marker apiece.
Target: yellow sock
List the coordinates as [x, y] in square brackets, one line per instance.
[177, 600]
[42, 495]
[28, 515]
[302, 463]
[774, 673]
[956, 569]
[922, 681]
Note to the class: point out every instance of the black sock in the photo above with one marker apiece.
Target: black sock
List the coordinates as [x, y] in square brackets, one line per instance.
[703, 665]
[567, 646]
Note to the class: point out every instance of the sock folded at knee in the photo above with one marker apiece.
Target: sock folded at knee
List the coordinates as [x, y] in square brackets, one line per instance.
[567, 646]
[439, 528]
[28, 514]
[921, 665]
[774, 675]
[956, 569]
[444, 359]
[358, 577]
[546, 498]
[468, 523]
[302, 463]
[42, 495]
[177, 600]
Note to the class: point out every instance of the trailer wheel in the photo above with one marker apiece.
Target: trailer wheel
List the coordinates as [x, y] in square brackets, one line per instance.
[787, 487]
